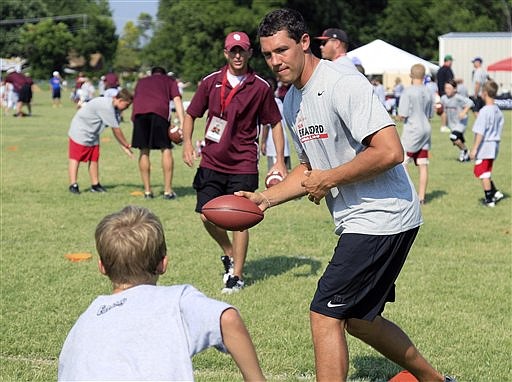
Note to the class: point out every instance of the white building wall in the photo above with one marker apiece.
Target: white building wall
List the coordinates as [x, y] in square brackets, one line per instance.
[491, 47]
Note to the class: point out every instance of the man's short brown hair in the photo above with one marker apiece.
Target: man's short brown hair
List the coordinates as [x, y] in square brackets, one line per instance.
[417, 71]
[131, 244]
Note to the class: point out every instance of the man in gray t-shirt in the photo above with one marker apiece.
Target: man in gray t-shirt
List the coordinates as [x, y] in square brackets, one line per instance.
[350, 154]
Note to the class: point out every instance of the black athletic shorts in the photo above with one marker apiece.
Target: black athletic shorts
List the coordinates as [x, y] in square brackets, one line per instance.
[25, 94]
[360, 277]
[210, 183]
[151, 131]
[478, 103]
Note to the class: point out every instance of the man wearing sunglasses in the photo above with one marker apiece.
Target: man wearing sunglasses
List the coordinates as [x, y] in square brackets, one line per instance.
[334, 45]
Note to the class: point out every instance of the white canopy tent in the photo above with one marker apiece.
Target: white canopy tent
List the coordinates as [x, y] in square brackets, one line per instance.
[379, 57]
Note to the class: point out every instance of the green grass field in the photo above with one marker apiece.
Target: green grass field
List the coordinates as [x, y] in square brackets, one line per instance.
[453, 295]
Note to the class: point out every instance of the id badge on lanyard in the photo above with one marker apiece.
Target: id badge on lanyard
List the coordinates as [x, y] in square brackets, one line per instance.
[217, 125]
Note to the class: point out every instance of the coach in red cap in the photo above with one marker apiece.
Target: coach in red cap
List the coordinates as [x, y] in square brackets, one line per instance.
[238, 101]
[334, 46]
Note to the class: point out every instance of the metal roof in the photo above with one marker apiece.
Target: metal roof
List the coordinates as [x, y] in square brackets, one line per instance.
[477, 35]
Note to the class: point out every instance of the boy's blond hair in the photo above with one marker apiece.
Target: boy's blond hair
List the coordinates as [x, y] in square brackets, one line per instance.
[131, 244]
[491, 88]
[417, 71]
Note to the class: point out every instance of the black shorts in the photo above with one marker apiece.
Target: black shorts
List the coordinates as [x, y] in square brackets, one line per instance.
[25, 94]
[479, 103]
[361, 275]
[56, 93]
[151, 131]
[210, 184]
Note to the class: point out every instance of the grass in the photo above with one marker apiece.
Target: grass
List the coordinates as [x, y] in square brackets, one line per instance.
[453, 296]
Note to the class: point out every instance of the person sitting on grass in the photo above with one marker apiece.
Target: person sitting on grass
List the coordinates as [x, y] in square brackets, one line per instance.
[487, 128]
[84, 136]
[144, 331]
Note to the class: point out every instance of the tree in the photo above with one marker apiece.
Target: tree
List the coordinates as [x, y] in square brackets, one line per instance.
[46, 46]
[128, 49]
[190, 35]
[17, 10]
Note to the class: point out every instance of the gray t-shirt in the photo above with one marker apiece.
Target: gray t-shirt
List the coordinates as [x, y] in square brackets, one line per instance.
[328, 119]
[479, 75]
[452, 107]
[91, 119]
[417, 106]
[146, 333]
[489, 123]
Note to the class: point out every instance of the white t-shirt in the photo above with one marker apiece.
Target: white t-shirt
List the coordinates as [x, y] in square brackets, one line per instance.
[145, 333]
[329, 118]
[452, 107]
[416, 105]
[91, 119]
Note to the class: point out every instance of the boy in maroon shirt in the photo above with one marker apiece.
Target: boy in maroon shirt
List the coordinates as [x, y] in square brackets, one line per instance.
[238, 101]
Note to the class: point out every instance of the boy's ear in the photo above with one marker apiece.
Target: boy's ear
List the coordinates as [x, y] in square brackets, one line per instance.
[162, 266]
[101, 268]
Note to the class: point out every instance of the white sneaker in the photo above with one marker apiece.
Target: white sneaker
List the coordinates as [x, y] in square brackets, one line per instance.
[233, 285]
[444, 129]
[498, 195]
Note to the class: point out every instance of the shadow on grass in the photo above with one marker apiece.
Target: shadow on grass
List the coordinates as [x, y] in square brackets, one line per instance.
[434, 195]
[373, 368]
[260, 269]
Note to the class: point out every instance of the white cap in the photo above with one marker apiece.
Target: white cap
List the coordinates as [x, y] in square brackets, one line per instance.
[55, 74]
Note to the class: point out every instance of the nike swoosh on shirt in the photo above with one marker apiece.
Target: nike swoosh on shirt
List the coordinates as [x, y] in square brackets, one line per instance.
[218, 85]
[331, 305]
[320, 93]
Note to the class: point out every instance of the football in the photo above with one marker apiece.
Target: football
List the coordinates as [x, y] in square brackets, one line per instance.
[176, 134]
[273, 178]
[439, 108]
[232, 213]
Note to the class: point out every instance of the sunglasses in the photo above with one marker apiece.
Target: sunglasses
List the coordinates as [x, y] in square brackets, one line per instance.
[323, 42]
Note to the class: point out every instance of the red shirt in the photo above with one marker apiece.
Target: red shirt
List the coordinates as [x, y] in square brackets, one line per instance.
[252, 105]
[152, 95]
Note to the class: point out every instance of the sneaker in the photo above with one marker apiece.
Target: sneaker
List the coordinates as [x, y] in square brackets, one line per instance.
[498, 195]
[74, 188]
[233, 285]
[171, 196]
[228, 267]
[148, 195]
[489, 203]
[444, 129]
[463, 156]
[447, 378]
[98, 188]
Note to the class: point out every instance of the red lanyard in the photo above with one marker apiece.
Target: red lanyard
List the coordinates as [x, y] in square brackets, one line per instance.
[225, 102]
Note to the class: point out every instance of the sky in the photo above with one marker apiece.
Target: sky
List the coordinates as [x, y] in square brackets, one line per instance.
[129, 10]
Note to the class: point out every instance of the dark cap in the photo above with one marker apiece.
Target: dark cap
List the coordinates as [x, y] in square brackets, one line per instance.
[476, 59]
[335, 33]
[448, 57]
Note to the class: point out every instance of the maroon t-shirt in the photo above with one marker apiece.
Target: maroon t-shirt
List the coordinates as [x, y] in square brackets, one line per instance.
[252, 105]
[17, 80]
[152, 95]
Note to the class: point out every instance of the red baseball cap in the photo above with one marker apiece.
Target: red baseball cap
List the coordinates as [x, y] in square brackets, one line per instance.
[237, 39]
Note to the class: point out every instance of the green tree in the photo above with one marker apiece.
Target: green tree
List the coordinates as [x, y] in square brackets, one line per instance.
[46, 46]
[17, 10]
[128, 49]
[415, 25]
[190, 34]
